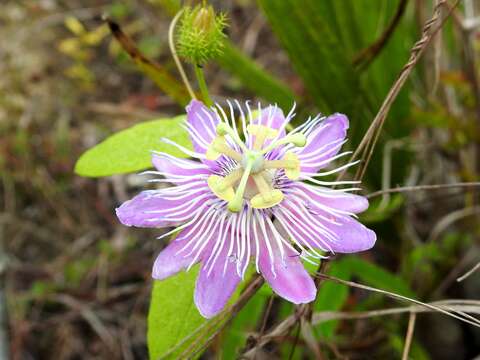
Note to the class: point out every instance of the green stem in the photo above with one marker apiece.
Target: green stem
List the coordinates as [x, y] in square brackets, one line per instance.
[203, 86]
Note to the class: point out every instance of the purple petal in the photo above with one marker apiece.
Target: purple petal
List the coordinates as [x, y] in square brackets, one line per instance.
[212, 291]
[320, 196]
[203, 124]
[179, 167]
[350, 235]
[148, 209]
[289, 279]
[271, 117]
[353, 236]
[328, 136]
[169, 261]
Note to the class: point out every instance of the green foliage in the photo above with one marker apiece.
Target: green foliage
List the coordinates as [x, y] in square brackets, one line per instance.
[176, 328]
[172, 315]
[75, 270]
[332, 296]
[417, 351]
[322, 39]
[376, 276]
[377, 212]
[243, 324]
[130, 150]
[254, 78]
[156, 72]
[259, 81]
[316, 53]
[200, 34]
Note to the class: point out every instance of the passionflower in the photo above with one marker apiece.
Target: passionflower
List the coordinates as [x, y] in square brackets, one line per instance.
[254, 200]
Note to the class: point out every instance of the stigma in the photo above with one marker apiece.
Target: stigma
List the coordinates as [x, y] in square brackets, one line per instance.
[251, 180]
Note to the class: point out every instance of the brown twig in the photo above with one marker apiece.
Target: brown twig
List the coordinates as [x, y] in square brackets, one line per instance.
[409, 336]
[152, 69]
[471, 306]
[295, 342]
[365, 57]
[265, 319]
[469, 272]
[255, 283]
[455, 314]
[422, 187]
[371, 136]
[4, 343]
[373, 133]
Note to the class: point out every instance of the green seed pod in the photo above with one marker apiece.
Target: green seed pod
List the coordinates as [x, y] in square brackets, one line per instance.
[200, 37]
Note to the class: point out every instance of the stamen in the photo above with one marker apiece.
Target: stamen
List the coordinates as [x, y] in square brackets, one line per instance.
[268, 197]
[261, 134]
[219, 146]
[290, 163]
[223, 187]
[235, 204]
[297, 139]
[224, 129]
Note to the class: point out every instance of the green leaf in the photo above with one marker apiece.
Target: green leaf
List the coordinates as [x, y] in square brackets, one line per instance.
[175, 327]
[316, 53]
[172, 315]
[243, 325]
[256, 79]
[322, 38]
[130, 150]
[417, 351]
[332, 296]
[377, 276]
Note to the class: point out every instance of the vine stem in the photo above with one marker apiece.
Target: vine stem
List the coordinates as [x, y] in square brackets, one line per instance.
[173, 50]
[202, 84]
[422, 187]
[370, 138]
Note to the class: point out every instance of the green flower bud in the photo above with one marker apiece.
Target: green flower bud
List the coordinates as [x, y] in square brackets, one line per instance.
[200, 36]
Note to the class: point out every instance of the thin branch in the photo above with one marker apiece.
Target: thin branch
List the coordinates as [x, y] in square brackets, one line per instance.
[469, 306]
[429, 31]
[409, 336]
[371, 136]
[460, 306]
[450, 219]
[4, 342]
[154, 71]
[173, 50]
[309, 338]
[422, 187]
[365, 57]
[469, 272]
[455, 314]
[295, 342]
[255, 283]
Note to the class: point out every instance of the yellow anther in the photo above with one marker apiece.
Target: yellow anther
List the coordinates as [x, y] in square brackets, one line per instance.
[218, 147]
[292, 172]
[267, 197]
[297, 139]
[216, 184]
[224, 129]
[261, 133]
[290, 163]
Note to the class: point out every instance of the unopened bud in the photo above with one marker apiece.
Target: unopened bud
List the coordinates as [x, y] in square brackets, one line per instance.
[201, 36]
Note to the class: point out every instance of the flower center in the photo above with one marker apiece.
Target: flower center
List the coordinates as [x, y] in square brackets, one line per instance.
[253, 175]
[255, 158]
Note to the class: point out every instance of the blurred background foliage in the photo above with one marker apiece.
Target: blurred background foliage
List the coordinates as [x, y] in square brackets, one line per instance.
[78, 284]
